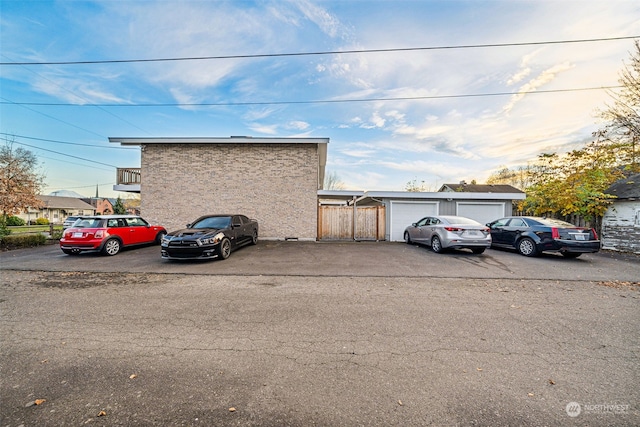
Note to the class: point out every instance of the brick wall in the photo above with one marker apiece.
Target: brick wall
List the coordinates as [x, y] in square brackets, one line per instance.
[273, 183]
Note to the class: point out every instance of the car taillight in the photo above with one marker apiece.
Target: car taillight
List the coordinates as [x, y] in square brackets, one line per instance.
[555, 234]
[99, 234]
[595, 235]
[453, 229]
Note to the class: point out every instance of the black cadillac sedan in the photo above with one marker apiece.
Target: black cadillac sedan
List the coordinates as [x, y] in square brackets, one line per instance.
[210, 236]
[533, 235]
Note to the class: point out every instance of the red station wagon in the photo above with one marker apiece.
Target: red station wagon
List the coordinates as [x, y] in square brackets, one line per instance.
[108, 234]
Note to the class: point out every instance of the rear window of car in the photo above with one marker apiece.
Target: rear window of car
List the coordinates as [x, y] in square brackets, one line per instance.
[89, 223]
[460, 220]
[551, 222]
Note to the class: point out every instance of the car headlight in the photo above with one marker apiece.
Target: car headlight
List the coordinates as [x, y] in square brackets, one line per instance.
[211, 240]
[166, 240]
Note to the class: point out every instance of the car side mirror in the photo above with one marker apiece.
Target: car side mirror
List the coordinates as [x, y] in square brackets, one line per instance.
[188, 225]
[415, 224]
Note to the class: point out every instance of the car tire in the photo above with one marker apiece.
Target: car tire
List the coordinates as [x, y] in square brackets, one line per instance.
[159, 237]
[571, 254]
[407, 238]
[225, 249]
[254, 237]
[436, 245]
[477, 251]
[527, 247]
[111, 247]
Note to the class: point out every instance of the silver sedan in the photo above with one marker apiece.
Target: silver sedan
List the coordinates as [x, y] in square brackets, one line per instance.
[449, 232]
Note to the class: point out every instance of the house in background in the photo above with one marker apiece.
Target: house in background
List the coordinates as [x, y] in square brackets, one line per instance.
[621, 221]
[56, 209]
[274, 180]
[103, 206]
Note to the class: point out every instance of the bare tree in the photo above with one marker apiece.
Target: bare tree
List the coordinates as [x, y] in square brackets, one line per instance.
[20, 182]
[623, 116]
[332, 182]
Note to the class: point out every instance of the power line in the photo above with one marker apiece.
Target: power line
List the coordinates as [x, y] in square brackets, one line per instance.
[335, 52]
[8, 135]
[317, 101]
[63, 154]
[51, 117]
[78, 96]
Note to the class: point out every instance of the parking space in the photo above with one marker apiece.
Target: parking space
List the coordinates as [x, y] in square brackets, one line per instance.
[358, 259]
[303, 333]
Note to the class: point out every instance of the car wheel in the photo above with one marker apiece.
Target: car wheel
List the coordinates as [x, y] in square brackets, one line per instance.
[407, 237]
[477, 251]
[527, 247]
[111, 247]
[254, 237]
[571, 254]
[225, 248]
[436, 245]
[159, 237]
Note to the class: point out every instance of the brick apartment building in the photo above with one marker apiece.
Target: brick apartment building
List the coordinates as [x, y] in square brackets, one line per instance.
[274, 180]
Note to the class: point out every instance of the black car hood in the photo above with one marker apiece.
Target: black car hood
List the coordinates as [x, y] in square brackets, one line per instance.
[193, 233]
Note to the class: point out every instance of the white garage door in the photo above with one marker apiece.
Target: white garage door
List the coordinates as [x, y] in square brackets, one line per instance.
[406, 213]
[481, 212]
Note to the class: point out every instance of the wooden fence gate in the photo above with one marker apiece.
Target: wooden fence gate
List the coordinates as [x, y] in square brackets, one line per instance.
[351, 223]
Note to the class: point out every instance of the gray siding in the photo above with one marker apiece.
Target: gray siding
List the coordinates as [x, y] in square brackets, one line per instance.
[621, 227]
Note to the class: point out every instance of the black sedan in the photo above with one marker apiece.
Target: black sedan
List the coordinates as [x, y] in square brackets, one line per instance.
[533, 235]
[211, 236]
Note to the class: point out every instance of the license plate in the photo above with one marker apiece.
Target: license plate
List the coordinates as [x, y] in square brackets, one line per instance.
[472, 233]
[76, 235]
[579, 236]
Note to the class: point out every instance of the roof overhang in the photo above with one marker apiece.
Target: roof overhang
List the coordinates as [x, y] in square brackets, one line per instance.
[321, 143]
[444, 195]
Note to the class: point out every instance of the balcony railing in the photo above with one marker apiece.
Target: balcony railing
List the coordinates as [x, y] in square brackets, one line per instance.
[128, 176]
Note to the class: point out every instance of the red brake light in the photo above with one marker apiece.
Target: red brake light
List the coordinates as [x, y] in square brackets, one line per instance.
[595, 235]
[555, 234]
[453, 229]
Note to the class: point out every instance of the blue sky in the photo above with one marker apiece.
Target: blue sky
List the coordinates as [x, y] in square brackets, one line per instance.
[380, 139]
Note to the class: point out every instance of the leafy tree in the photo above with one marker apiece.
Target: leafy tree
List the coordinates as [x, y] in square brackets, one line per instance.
[20, 182]
[517, 177]
[623, 115]
[119, 208]
[572, 184]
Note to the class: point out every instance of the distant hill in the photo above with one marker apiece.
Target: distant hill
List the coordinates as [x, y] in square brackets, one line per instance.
[66, 193]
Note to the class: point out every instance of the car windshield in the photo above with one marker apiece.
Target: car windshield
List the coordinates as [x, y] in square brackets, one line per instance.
[213, 222]
[88, 223]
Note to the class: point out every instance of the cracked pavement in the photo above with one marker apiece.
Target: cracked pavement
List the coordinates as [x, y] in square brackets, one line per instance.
[452, 340]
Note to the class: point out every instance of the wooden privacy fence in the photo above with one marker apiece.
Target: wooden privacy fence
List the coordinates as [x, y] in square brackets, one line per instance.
[351, 223]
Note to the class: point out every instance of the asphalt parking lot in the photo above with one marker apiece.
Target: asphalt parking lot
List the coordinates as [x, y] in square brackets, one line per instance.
[304, 333]
[340, 259]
